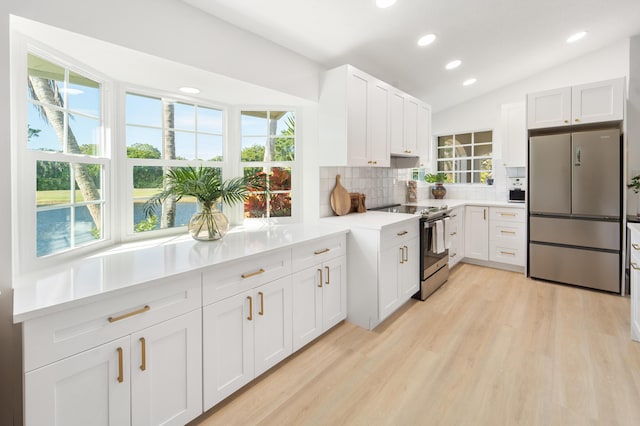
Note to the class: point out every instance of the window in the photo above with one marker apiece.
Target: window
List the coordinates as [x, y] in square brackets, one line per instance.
[466, 157]
[65, 147]
[268, 148]
[162, 134]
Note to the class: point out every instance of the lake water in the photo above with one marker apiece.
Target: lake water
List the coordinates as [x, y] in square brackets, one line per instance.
[54, 226]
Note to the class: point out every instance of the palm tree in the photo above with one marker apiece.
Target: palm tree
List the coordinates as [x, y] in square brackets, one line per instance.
[47, 92]
[168, 218]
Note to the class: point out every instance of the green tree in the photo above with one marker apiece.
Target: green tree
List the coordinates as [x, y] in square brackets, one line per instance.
[145, 176]
[253, 153]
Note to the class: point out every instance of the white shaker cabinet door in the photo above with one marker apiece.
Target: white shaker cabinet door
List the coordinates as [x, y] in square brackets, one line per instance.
[227, 347]
[388, 288]
[634, 271]
[166, 372]
[476, 229]
[334, 292]
[91, 388]
[551, 108]
[410, 269]
[272, 332]
[307, 306]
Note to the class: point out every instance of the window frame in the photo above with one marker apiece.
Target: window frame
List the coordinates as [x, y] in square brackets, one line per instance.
[471, 157]
[24, 159]
[296, 178]
[125, 187]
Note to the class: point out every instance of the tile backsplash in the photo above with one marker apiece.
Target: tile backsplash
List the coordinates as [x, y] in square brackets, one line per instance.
[382, 186]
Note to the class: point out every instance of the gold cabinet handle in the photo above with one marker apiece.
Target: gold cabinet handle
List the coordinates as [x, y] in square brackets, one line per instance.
[508, 252]
[400, 234]
[635, 246]
[634, 265]
[507, 232]
[453, 233]
[320, 282]
[484, 214]
[406, 253]
[401, 255]
[143, 352]
[261, 312]
[328, 281]
[120, 366]
[324, 250]
[130, 314]
[451, 256]
[250, 317]
[454, 215]
[577, 120]
[253, 274]
[566, 121]
[407, 151]
[507, 214]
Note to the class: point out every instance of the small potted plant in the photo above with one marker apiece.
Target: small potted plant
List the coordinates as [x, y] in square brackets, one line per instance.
[438, 190]
[205, 184]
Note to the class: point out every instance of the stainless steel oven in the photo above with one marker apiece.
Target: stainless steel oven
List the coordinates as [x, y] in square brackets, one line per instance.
[434, 266]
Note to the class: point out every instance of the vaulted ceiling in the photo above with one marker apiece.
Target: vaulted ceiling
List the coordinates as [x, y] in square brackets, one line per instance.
[498, 41]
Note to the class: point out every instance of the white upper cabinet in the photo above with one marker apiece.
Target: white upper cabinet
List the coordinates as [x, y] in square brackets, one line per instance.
[597, 102]
[354, 119]
[514, 134]
[588, 103]
[363, 121]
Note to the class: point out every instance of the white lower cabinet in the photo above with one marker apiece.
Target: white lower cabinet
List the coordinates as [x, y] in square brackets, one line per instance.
[243, 336]
[90, 388]
[634, 279]
[476, 232]
[383, 271]
[319, 300]
[495, 234]
[455, 228]
[152, 376]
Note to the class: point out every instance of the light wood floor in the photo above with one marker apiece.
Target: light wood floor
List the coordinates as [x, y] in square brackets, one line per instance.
[489, 348]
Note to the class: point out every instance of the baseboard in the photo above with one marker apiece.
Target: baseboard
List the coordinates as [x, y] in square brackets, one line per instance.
[496, 265]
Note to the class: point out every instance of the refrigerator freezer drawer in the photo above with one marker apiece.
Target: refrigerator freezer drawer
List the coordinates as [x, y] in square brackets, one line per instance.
[586, 268]
[575, 232]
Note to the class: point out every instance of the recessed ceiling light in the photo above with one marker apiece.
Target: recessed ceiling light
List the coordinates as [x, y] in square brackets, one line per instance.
[426, 40]
[453, 64]
[382, 4]
[190, 90]
[469, 82]
[576, 36]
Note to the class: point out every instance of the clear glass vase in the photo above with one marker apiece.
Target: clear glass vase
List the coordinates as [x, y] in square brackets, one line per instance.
[208, 224]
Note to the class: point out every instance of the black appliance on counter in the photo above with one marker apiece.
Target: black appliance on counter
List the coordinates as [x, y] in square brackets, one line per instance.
[434, 267]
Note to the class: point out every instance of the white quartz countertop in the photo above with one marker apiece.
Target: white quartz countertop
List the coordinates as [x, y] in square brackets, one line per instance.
[453, 203]
[370, 219]
[119, 269]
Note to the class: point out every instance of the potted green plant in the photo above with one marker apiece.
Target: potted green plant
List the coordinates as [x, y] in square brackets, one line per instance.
[205, 184]
[438, 190]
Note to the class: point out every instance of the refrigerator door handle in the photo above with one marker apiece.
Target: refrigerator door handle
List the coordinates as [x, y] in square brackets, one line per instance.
[578, 152]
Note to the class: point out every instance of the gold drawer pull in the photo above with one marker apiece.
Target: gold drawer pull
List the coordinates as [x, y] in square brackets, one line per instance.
[454, 215]
[634, 265]
[321, 251]
[130, 314]
[401, 255]
[120, 367]
[143, 350]
[453, 233]
[261, 311]
[320, 282]
[635, 246]
[399, 234]
[250, 317]
[253, 274]
[328, 281]
[507, 232]
[508, 252]
[507, 214]
[453, 255]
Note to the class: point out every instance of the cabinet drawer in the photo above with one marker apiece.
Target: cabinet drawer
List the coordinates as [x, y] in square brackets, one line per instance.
[244, 274]
[510, 233]
[399, 233]
[306, 255]
[506, 214]
[507, 254]
[56, 336]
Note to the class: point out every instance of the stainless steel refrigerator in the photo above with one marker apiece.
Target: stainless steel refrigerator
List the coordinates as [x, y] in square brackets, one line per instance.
[575, 188]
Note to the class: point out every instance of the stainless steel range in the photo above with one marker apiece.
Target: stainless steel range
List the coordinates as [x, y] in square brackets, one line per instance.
[434, 259]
